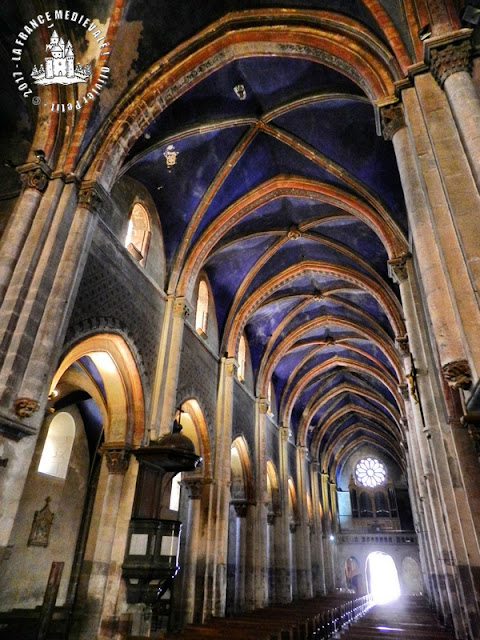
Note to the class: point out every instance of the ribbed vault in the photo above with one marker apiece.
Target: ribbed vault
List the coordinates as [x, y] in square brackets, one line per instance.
[284, 195]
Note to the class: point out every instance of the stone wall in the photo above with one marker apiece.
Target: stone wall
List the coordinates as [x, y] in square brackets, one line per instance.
[198, 377]
[116, 295]
[26, 568]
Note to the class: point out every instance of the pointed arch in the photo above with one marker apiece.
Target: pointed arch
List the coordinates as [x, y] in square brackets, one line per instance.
[241, 470]
[328, 38]
[117, 368]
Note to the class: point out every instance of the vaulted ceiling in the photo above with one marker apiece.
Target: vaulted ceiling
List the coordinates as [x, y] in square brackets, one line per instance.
[283, 192]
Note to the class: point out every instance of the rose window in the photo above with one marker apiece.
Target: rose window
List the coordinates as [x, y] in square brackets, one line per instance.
[370, 472]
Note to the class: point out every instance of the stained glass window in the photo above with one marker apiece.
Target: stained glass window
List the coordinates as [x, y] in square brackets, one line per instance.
[370, 472]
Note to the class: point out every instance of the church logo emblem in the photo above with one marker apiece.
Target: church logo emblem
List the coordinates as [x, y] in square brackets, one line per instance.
[59, 66]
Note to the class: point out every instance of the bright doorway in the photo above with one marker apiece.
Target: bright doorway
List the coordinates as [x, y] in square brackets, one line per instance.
[382, 578]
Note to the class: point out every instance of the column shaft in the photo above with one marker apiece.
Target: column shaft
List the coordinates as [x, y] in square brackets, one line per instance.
[164, 393]
[317, 537]
[284, 555]
[217, 541]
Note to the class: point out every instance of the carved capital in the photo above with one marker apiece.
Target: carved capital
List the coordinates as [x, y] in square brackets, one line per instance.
[397, 268]
[284, 432]
[231, 367]
[240, 509]
[304, 453]
[194, 487]
[263, 405]
[181, 308]
[458, 374]
[392, 118]
[402, 345]
[36, 178]
[25, 407]
[91, 196]
[450, 59]
[117, 457]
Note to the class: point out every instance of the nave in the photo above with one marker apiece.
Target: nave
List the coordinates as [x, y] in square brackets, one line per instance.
[334, 616]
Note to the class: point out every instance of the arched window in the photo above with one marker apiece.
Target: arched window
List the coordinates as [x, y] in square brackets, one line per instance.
[175, 492]
[242, 357]
[58, 446]
[138, 232]
[370, 472]
[201, 320]
[270, 398]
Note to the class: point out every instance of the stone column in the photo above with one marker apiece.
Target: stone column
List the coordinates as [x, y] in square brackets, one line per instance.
[38, 301]
[251, 558]
[420, 468]
[422, 520]
[61, 297]
[164, 394]
[304, 556]
[327, 529]
[106, 544]
[240, 555]
[317, 534]
[441, 308]
[271, 560]
[283, 559]
[35, 178]
[192, 528]
[450, 59]
[442, 491]
[217, 537]
[260, 536]
[453, 199]
[34, 314]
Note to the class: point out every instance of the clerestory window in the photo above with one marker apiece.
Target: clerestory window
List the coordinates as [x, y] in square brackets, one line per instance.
[138, 233]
